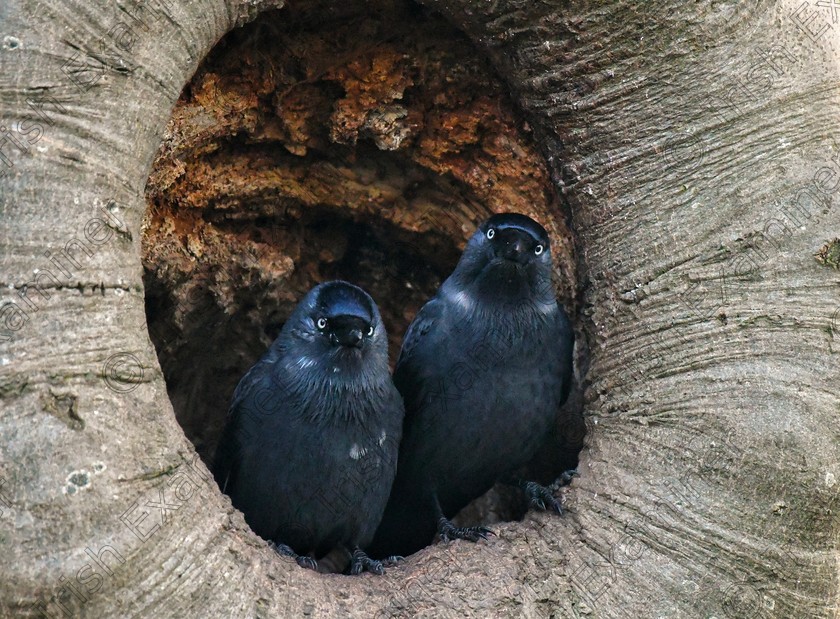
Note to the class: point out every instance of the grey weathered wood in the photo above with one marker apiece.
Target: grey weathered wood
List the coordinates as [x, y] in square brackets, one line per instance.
[709, 486]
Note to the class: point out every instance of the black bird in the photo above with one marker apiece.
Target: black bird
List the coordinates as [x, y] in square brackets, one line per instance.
[483, 370]
[309, 452]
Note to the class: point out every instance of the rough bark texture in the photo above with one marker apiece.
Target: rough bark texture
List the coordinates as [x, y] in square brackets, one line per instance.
[692, 143]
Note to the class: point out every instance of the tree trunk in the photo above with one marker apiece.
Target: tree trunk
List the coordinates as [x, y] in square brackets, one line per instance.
[690, 142]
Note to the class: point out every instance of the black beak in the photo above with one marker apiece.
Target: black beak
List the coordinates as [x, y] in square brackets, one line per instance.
[514, 245]
[348, 330]
[350, 337]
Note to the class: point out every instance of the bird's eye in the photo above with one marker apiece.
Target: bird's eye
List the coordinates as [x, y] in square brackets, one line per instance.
[491, 233]
[370, 331]
[322, 323]
[538, 249]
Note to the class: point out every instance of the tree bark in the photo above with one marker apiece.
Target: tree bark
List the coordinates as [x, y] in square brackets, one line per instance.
[693, 146]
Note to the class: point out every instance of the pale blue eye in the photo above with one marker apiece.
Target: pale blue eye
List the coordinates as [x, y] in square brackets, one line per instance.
[491, 233]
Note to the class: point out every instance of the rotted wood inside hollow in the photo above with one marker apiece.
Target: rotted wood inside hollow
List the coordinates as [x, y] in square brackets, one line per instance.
[360, 141]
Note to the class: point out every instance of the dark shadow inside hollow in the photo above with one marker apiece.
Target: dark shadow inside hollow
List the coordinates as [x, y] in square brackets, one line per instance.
[364, 142]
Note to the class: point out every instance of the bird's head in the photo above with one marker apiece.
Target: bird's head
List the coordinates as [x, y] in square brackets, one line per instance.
[337, 327]
[508, 257]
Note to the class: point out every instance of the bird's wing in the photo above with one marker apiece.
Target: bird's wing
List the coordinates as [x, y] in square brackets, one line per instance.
[419, 328]
[225, 460]
[246, 383]
[408, 373]
[567, 343]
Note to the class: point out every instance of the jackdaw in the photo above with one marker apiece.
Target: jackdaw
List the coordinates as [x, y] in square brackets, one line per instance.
[483, 370]
[309, 452]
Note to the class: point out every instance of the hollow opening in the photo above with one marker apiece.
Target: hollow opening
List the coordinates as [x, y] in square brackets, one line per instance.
[363, 141]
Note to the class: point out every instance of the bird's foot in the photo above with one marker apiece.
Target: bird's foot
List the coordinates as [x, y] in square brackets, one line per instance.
[360, 562]
[449, 531]
[392, 561]
[302, 560]
[566, 477]
[541, 497]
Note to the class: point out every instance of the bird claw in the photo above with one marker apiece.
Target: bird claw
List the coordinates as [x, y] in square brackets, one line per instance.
[361, 563]
[393, 560]
[307, 562]
[301, 560]
[566, 477]
[541, 497]
[449, 531]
